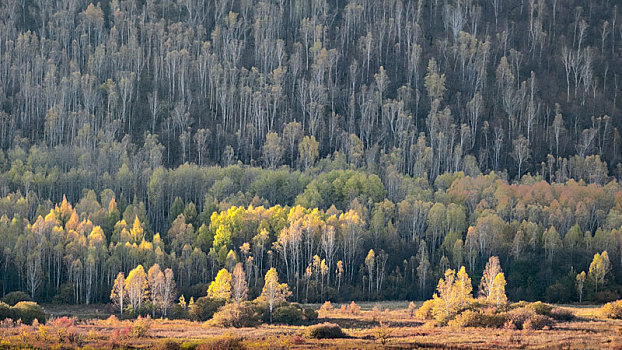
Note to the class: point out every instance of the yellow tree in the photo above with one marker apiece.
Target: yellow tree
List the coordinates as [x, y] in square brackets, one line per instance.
[453, 293]
[117, 295]
[580, 282]
[493, 267]
[599, 268]
[463, 287]
[497, 294]
[220, 288]
[136, 286]
[273, 292]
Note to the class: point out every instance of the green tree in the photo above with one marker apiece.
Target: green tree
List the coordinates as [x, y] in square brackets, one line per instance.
[308, 150]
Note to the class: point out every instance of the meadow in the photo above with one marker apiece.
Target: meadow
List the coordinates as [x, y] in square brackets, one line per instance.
[390, 325]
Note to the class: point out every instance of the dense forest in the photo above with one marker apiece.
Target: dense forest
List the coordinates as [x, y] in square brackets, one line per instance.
[360, 147]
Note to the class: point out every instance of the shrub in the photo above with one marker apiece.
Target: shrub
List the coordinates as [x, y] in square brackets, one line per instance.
[141, 327]
[472, 318]
[526, 317]
[412, 308]
[560, 314]
[425, 311]
[288, 314]
[63, 322]
[204, 308]
[225, 342]
[167, 344]
[382, 333]
[325, 331]
[310, 314]
[15, 297]
[354, 309]
[243, 314]
[326, 308]
[28, 311]
[541, 308]
[612, 310]
[5, 311]
[606, 296]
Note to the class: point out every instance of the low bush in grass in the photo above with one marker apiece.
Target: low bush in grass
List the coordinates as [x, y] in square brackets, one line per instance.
[326, 308]
[28, 311]
[559, 314]
[141, 327]
[325, 331]
[167, 344]
[477, 318]
[480, 314]
[245, 314]
[225, 342]
[528, 317]
[612, 310]
[309, 314]
[15, 297]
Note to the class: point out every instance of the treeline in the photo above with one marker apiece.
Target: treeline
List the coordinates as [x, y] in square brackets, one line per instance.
[346, 236]
[438, 86]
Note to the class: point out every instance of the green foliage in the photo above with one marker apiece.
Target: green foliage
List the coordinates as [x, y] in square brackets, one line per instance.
[325, 331]
[28, 311]
[244, 314]
[141, 327]
[204, 308]
[288, 314]
[15, 297]
[5, 311]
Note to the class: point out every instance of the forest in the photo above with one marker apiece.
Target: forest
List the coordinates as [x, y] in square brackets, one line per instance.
[361, 148]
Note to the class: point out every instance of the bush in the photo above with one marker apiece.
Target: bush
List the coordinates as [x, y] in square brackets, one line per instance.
[141, 327]
[288, 314]
[167, 344]
[326, 308]
[612, 310]
[425, 311]
[541, 308]
[226, 342]
[606, 296]
[15, 297]
[204, 308]
[325, 331]
[472, 318]
[527, 317]
[244, 314]
[310, 315]
[353, 308]
[560, 314]
[28, 311]
[5, 311]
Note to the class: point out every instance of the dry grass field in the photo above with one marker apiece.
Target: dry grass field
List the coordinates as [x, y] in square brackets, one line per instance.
[376, 326]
